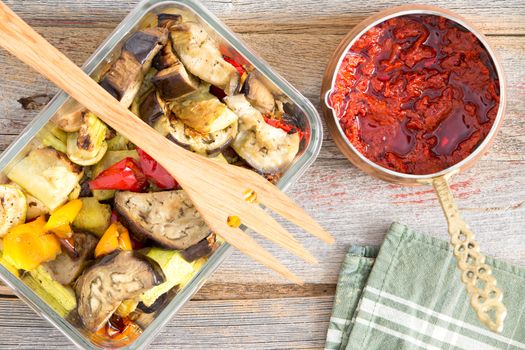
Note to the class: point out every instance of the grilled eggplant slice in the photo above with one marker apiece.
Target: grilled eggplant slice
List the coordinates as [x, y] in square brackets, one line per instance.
[204, 112]
[197, 251]
[264, 147]
[145, 44]
[167, 20]
[65, 269]
[258, 94]
[201, 56]
[210, 144]
[13, 208]
[174, 82]
[152, 108]
[48, 175]
[168, 218]
[116, 277]
[124, 78]
[165, 58]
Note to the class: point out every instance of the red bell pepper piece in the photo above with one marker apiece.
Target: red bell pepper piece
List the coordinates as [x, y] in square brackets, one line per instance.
[281, 124]
[155, 172]
[237, 66]
[125, 175]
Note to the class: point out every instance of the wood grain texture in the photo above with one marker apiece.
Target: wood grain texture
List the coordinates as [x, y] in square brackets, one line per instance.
[297, 39]
[287, 323]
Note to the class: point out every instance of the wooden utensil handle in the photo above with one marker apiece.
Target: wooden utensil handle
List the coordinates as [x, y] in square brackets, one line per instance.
[485, 297]
[21, 40]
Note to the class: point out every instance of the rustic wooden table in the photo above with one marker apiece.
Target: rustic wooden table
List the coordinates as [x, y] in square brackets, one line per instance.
[244, 305]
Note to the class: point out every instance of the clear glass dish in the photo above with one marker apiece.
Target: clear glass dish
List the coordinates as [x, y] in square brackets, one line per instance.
[301, 110]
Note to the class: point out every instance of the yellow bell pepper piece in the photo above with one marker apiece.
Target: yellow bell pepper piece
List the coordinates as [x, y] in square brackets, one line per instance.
[28, 245]
[115, 237]
[60, 220]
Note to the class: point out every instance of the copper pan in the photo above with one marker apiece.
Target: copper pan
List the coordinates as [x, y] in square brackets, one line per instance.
[485, 297]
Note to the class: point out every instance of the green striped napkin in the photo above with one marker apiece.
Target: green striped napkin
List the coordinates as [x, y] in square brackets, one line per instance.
[409, 296]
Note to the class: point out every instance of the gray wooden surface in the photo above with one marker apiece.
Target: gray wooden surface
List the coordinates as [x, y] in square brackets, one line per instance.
[245, 306]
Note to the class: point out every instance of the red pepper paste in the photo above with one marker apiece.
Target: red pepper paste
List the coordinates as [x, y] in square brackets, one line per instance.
[416, 94]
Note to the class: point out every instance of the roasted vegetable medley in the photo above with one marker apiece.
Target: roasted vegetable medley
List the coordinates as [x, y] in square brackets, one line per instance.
[94, 225]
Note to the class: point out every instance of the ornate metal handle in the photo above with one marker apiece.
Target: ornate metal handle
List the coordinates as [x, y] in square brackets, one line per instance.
[485, 297]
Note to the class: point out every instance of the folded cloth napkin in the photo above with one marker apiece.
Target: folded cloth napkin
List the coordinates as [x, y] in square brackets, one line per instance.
[409, 296]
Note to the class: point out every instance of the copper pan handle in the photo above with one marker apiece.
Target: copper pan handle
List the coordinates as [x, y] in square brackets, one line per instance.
[485, 297]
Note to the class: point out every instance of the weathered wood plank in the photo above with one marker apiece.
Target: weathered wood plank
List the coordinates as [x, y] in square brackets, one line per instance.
[279, 16]
[290, 323]
[242, 291]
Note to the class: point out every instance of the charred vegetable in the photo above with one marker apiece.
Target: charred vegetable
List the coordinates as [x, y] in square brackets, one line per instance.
[48, 175]
[13, 208]
[125, 76]
[152, 108]
[165, 58]
[65, 269]
[168, 218]
[264, 147]
[94, 217]
[258, 94]
[209, 144]
[174, 82]
[204, 112]
[201, 56]
[123, 79]
[88, 145]
[117, 277]
[60, 298]
[145, 44]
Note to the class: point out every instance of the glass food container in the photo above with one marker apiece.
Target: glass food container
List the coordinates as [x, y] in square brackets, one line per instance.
[300, 111]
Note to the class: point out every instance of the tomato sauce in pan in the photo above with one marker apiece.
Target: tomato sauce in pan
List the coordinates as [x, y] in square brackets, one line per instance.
[416, 94]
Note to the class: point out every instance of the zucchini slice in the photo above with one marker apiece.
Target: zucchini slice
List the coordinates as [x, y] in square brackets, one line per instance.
[88, 145]
[209, 144]
[13, 208]
[48, 175]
